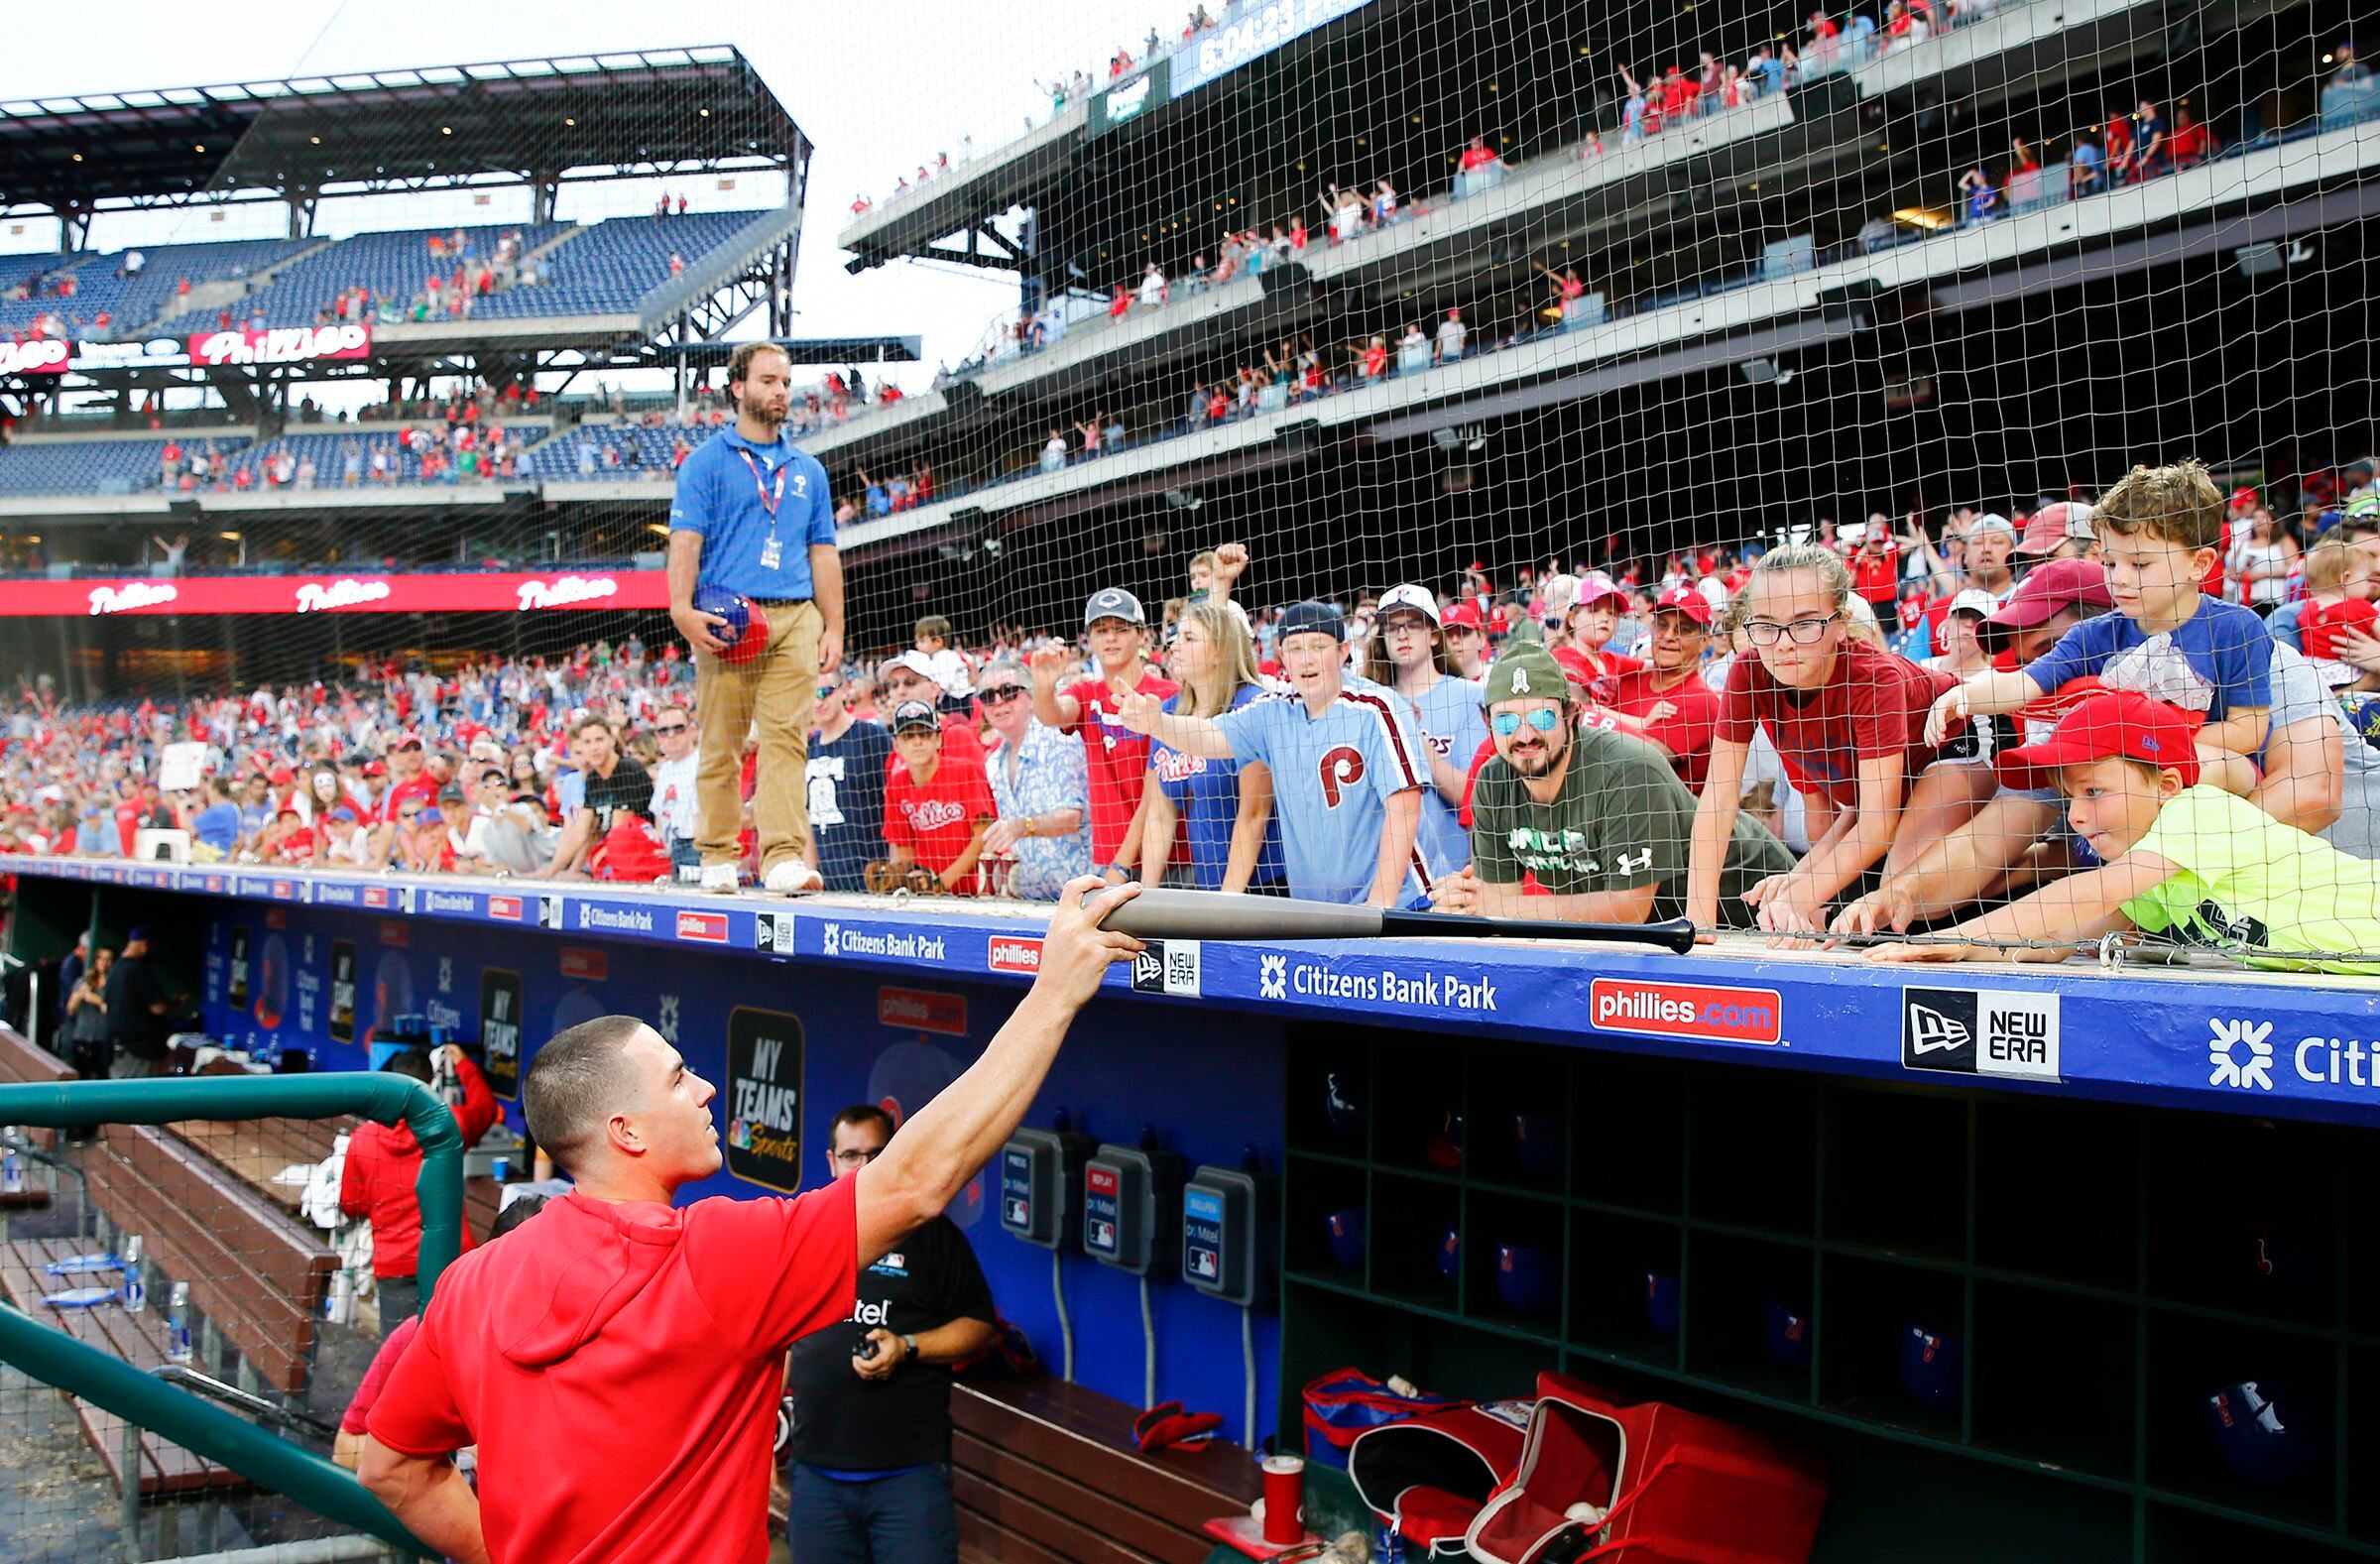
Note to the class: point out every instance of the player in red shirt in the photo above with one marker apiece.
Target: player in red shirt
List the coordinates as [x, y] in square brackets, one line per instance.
[1117, 759]
[1665, 702]
[619, 1362]
[936, 809]
[1849, 721]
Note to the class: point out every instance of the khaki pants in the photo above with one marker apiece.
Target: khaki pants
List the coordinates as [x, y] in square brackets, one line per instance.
[778, 688]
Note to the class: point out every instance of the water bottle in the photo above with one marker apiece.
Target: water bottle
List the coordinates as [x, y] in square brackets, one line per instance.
[12, 1172]
[178, 1324]
[338, 1305]
[134, 1295]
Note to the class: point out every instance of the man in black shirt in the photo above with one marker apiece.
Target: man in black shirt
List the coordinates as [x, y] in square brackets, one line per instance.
[136, 1011]
[847, 764]
[869, 1456]
[615, 784]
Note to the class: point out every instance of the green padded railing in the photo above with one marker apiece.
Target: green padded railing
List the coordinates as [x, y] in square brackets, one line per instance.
[203, 1429]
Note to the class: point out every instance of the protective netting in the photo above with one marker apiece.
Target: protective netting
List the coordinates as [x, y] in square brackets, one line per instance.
[1562, 464]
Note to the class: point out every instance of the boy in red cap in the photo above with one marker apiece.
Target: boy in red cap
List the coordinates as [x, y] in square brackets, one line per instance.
[2181, 858]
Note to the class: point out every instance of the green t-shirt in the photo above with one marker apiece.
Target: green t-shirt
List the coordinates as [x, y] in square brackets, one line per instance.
[1621, 820]
[2249, 883]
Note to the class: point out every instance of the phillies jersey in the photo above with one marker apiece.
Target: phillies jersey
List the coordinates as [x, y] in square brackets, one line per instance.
[1332, 776]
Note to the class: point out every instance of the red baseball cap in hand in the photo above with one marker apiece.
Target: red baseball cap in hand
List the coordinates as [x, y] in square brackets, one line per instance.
[2117, 724]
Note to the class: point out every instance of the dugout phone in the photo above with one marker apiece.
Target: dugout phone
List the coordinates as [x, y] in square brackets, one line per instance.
[1039, 1172]
[1132, 1207]
[1227, 1221]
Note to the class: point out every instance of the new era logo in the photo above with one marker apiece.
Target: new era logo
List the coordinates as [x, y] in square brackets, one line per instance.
[2008, 1032]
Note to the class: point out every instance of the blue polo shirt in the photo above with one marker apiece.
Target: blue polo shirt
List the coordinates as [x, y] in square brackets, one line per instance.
[722, 494]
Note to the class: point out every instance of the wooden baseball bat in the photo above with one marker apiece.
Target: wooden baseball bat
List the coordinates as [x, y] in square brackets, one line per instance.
[1158, 913]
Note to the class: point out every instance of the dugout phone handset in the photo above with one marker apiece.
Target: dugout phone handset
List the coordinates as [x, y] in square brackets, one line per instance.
[1228, 1216]
[1132, 1207]
[1040, 1171]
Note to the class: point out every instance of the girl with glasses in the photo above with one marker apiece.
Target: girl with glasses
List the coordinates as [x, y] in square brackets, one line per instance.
[1849, 720]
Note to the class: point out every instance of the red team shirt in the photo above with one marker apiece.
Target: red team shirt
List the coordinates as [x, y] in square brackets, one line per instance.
[1874, 705]
[619, 1366]
[1685, 732]
[935, 821]
[1117, 758]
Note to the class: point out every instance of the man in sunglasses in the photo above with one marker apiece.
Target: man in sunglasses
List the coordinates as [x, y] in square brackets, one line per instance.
[1599, 819]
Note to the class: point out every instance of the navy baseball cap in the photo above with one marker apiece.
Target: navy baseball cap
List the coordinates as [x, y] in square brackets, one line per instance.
[137, 931]
[915, 714]
[1114, 603]
[1312, 618]
[343, 812]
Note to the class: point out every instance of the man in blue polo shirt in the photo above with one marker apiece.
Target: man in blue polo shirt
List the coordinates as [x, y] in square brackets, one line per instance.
[753, 515]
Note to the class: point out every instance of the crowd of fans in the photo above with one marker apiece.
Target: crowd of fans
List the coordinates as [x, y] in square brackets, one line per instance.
[1873, 795]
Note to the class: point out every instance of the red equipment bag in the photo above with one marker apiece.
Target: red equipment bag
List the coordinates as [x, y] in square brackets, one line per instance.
[1342, 1403]
[1427, 1474]
[1666, 1484]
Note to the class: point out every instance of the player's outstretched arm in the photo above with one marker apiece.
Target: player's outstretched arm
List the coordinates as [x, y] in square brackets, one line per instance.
[945, 1142]
[1146, 715]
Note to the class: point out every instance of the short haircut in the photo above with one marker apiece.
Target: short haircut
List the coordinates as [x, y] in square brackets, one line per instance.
[414, 1063]
[513, 1215]
[575, 1083]
[2328, 561]
[589, 721]
[676, 706]
[859, 1114]
[2179, 504]
[934, 625]
[739, 363]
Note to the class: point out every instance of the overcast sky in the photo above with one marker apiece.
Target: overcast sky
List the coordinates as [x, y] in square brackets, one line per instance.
[880, 85]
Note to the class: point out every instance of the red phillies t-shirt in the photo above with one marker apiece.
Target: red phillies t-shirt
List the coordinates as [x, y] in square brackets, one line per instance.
[1685, 732]
[935, 821]
[1117, 758]
[1874, 705]
[619, 1366]
[419, 785]
[1876, 577]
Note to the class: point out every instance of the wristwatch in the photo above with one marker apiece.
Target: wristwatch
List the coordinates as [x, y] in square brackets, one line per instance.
[909, 1341]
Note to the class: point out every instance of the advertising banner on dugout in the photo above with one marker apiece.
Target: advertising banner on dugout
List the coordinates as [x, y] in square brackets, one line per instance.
[496, 592]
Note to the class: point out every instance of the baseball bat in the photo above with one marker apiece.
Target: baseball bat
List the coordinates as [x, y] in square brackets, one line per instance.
[1158, 913]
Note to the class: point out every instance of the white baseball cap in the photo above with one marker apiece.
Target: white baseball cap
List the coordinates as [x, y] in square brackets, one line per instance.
[1975, 600]
[1420, 599]
[916, 662]
[1992, 521]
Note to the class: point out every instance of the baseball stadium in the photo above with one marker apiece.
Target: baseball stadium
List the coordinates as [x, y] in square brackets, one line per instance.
[1523, 784]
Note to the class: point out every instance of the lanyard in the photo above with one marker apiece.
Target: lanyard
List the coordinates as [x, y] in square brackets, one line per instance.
[768, 501]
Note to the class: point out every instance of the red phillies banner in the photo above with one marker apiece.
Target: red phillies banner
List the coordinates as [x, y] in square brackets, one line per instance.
[281, 345]
[493, 593]
[41, 356]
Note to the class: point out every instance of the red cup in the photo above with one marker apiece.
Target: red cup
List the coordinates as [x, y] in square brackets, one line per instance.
[1284, 1498]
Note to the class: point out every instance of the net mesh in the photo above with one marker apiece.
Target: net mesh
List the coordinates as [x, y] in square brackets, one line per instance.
[1767, 375]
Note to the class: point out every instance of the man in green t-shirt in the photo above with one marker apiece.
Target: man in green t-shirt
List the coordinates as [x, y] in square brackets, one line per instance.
[2181, 858]
[1599, 819]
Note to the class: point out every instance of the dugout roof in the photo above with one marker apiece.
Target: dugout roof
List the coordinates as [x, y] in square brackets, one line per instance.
[383, 129]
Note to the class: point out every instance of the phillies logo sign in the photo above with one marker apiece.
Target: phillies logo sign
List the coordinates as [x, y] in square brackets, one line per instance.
[345, 592]
[130, 596]
[281, 345]
[567, 590]
[934, 814]
[46, 356]
[1342, 767]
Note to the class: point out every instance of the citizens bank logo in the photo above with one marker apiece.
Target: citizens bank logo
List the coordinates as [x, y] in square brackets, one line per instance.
[834, 939]
[1931, 1031]
[1273, 977]
[2229, 1042]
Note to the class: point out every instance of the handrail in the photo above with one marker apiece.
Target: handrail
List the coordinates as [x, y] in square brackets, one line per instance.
[114, 1386]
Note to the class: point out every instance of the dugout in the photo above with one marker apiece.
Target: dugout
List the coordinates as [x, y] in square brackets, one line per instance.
[2153, 1199]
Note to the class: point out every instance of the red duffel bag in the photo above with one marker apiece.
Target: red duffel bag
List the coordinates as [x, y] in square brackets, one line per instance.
[1657, 1484]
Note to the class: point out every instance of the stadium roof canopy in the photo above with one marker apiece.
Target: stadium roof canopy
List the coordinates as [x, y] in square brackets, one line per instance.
[582, 117]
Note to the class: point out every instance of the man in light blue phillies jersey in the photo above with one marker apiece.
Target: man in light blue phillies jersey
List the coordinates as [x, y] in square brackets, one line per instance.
[1347, 767]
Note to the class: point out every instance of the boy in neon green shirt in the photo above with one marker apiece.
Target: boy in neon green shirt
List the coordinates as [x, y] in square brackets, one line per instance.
[2180, 857]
